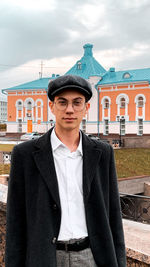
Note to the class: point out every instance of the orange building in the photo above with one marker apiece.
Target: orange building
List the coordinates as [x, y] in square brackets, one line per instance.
[27, 108]
[120, 105]
[124, 102]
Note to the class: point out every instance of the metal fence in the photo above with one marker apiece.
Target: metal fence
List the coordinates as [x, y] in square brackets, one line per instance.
[135, 207]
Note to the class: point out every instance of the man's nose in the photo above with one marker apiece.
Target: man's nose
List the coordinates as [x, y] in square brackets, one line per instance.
[70, 108]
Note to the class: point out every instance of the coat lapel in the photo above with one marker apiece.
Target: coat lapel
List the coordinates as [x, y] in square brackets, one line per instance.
[91, 157]
[45, 163]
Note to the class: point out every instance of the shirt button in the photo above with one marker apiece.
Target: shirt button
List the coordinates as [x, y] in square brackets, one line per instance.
[54, 239]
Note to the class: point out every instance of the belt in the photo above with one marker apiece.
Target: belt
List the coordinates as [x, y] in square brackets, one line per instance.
[76, 246]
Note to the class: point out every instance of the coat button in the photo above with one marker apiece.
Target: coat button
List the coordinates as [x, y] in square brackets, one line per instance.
[54, 207]
[54, 239]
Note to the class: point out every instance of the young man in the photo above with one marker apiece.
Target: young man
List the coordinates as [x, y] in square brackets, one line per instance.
[63, 205]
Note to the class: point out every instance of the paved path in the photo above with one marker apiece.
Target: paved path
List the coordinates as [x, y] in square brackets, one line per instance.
[137, 239]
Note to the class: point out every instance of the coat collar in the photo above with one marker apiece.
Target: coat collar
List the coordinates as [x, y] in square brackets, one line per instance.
[45, 163]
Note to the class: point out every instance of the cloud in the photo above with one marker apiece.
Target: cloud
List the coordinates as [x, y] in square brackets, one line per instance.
[55, 30]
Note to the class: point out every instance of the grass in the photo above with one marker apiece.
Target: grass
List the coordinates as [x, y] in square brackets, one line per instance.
[129, 161]
[7, 148]
[4, 169]
[132, 162]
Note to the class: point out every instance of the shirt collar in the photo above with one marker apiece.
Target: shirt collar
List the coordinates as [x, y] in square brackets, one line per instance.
[56, 143]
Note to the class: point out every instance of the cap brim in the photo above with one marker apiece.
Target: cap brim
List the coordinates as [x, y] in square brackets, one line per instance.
[75, 87]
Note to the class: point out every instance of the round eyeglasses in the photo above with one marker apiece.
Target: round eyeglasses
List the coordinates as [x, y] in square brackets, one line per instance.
[77, 104]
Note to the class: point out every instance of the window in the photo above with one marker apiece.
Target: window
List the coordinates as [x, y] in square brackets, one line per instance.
[79, 65]
[106, 103]
[122, 102]
[84, 125]
[29, 105]
[19, 126]
[122, 126]
[126, 75]
[106, 127]
[140, 101]
[140, 126]
[19, 105]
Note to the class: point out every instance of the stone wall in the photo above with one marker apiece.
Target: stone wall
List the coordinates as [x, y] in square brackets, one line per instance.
[129, 141]
[135, 263]
[2, 233]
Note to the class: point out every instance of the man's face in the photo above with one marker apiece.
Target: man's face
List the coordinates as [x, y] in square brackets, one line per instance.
[69, 108]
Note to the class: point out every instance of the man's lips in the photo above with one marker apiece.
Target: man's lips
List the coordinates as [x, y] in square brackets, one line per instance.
[69, 119]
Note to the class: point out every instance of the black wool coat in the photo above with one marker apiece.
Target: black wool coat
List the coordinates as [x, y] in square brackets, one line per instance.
[34, 210]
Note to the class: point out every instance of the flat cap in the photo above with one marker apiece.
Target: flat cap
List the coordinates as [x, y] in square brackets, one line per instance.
[67, 82]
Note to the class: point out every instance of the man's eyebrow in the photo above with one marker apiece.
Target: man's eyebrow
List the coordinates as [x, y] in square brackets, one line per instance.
[76, 98]
[61, 97]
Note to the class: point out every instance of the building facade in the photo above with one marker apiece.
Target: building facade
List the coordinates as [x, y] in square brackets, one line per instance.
[124, 102]
[120, 105]
[28, 104]
[3, 109]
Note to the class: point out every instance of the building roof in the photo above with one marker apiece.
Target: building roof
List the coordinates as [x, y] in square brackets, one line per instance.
[87, 66]
[126, 76]
[41, 83]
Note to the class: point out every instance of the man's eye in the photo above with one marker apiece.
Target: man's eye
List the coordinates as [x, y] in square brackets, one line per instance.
[62, 103]
[77, 103]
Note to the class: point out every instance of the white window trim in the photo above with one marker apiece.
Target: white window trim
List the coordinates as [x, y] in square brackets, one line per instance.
[32, 109]
[126, 104]
[104, 133]
[36, 110]
[103, 107]
[17, 110]
[137, 108]
[139, 125]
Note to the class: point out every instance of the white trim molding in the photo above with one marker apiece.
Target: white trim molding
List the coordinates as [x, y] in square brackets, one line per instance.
[19, 107]
[36, 109]
[143, 108]
[103, 108]
[118, 98]
[27, 100]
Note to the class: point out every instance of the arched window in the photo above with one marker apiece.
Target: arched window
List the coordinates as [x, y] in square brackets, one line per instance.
[106, 103]
[19, 105]
[29, 108]
[140, 101]
[19, 110]
[126, 75]
[79, 65]
[122, 102]
[29, 105]
[39, 110]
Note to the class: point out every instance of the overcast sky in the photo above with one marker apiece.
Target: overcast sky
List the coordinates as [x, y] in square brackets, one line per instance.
[54, 31]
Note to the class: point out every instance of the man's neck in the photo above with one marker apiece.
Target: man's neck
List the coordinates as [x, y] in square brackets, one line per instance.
[69, 138]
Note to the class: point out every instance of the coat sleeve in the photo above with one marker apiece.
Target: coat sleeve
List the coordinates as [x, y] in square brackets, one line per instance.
[15, 252]
[115, 215]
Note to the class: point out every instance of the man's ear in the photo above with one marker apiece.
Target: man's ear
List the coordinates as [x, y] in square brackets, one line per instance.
[87, 107]
[51, 105]
[88, 104]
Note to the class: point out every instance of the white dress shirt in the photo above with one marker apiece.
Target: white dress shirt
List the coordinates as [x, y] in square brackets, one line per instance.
[69, 172]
